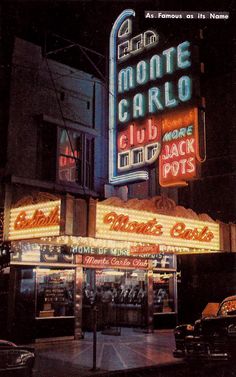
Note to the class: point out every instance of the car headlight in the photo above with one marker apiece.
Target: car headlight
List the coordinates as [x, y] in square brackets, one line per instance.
[25, 357]
[198, 326]
[181, 330]
[14, 359]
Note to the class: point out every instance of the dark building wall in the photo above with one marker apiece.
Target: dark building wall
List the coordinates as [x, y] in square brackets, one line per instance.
[5, 57]
[204, 278]
[43, 90]
[214, 192]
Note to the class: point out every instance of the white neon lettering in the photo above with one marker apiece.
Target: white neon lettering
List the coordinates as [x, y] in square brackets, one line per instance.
[142, 72]
[126, 79]
[182, 144]
[170, 101]
[177, 149]
[166, 170]
[178, 133]
[122, 114]
[181, 167]
[138, 105]
[156, 67]
[183, 55]
[191, 167]
[184, 88]
[190, 146]
[169, 55]
[154, 102]
[123, 50]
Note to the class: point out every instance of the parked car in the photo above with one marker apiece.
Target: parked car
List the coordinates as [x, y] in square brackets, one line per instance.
[15, 360]
[213, 337]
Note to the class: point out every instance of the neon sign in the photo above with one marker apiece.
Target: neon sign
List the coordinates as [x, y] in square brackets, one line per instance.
[143, 227]
[179, 157]
[122, 223]
[157, 98]
[144, 84]
[39, 219]
[108, 261]
[36, 220]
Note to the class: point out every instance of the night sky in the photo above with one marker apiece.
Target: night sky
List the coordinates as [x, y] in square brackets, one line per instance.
[53, 24]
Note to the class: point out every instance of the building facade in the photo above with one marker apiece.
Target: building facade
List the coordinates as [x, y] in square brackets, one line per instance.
[69, 248]
[55, 133]
[125, 263]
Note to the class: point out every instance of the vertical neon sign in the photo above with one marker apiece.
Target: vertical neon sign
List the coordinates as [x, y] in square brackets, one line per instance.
[114, 178]
[142, 91]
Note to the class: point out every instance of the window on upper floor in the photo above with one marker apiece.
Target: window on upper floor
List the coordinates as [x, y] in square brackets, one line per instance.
[70, 156]
[76, 158]
[66, 155]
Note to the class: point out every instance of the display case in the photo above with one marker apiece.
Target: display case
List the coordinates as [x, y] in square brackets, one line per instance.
[54, 302]
[54, 293]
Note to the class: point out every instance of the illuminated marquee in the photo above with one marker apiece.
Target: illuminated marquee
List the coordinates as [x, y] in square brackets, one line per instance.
[36, 220]
[147, 227]
[141, 91]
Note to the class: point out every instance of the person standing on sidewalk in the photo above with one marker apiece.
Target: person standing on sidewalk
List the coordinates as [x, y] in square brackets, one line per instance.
[106, 307]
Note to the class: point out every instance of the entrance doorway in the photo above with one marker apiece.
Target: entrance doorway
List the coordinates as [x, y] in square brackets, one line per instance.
[120, 296]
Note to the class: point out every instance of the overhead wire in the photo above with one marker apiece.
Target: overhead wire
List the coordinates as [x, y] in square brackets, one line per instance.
[83, 49]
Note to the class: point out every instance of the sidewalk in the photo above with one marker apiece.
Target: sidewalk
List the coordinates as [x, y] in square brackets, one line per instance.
[132, 349]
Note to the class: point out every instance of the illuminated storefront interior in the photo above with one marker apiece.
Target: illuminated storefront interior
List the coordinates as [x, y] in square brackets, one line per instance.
[126, 264]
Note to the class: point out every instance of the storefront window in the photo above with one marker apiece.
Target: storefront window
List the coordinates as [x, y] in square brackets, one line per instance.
[164, 291]
[55, 293]
[126, 287]
[120, 296]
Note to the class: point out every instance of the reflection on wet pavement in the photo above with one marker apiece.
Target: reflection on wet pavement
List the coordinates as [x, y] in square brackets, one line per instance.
[132, 349]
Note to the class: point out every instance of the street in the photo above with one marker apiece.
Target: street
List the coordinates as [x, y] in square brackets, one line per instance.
[59, 369]
[134, 354]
